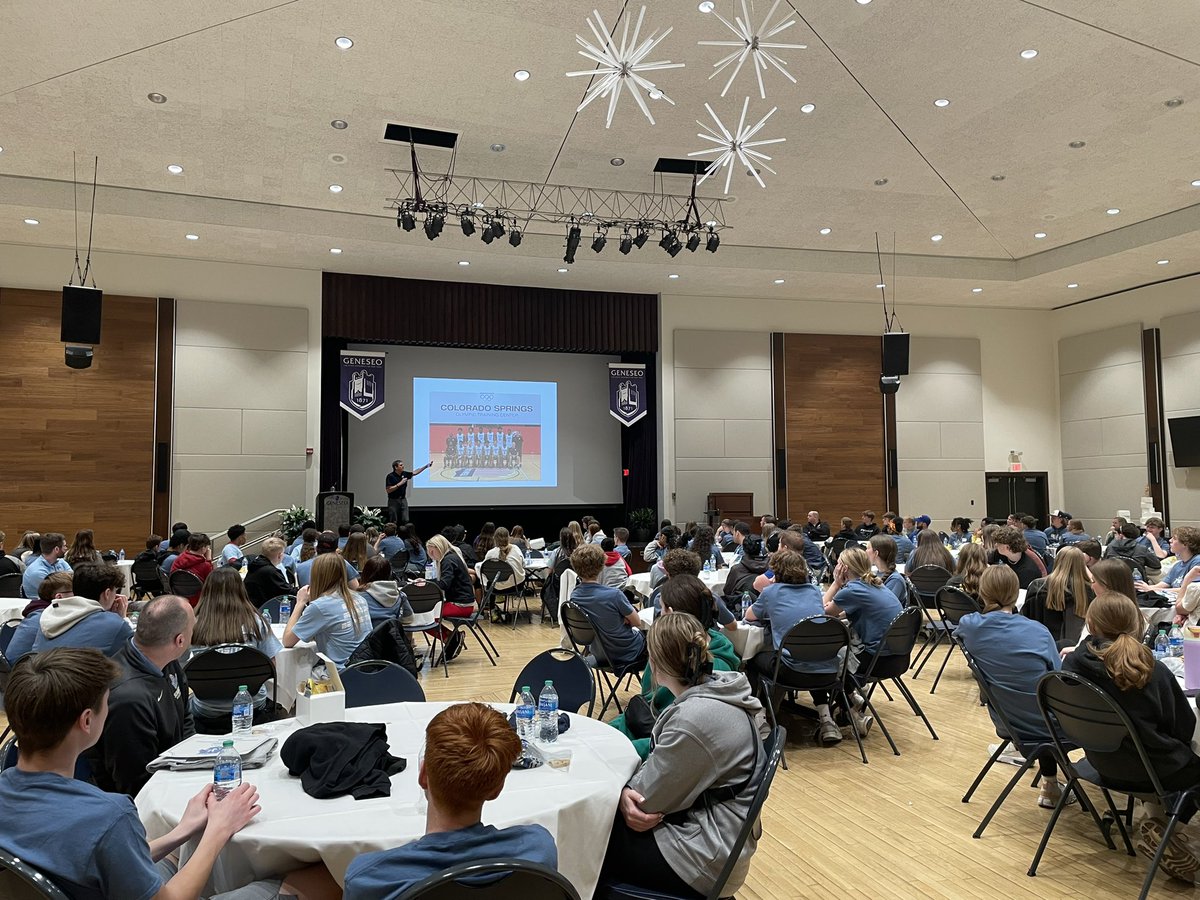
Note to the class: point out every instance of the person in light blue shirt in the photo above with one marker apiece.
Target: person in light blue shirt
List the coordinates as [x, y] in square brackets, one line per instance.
[326, 543]
[1185, 544]
[621, 537]
[389, 544]
[904, 545]
[1074, 533]
[178, 526]
[1034, 537]
[293, 549]
[881, 551]
[53, 546]
[231, 553]
[93, 617]
[469, 750]
[335, 617]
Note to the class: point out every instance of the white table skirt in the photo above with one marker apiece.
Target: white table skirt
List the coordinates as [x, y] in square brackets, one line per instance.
[748, 640]
[126, 567]
[291, 665]
[577, 806]
[640, 582]
[10, 608]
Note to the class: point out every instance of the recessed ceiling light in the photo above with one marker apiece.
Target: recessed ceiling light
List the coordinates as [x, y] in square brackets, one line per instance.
[1072, 285]
[192, 237]
[656, 94]
[616, 161]
[155, 97]
[706, 6]
[174, 169]
[826, 230]
[808, 107]
[464, 262]
[880, 182]
[862, 2]
[997, 178]
[1112, 210]
[779, 281]
[32, 222]
[1076, 145]
[1, 149]
[941, 103]
[1173, 102]
[935, 237]
[562, 270]
[1163, 262]
[976, 290]
[497, 148]
[335, 250]
[1028, 54]
[335, 189]
[672, 275]
[344, 43]
[881, 285]
[1039, 234]
[340, 124]
[521, 74]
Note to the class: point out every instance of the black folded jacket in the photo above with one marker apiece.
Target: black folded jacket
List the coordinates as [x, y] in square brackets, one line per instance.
[337, 758]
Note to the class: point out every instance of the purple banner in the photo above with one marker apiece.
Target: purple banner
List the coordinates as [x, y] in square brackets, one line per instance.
[360, 384]
[627, 401]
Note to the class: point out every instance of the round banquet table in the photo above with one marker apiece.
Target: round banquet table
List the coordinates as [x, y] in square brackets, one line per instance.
[747, 640]
[640, 582]
[576, 805]
[10, 608]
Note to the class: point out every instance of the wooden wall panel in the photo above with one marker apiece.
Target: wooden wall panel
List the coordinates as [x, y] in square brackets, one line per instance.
[76, 446]
[834, 426]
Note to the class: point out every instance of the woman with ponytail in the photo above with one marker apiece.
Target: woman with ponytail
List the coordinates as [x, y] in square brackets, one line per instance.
[680, 812]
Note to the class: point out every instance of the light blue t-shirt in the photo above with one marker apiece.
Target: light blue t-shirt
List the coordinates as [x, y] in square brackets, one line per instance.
[265, 641]
[1177, 572]
[1013, 652]
[90, 843]
[36, 572]
[869, 610]
[896, 583]
[904, 547]
[389, 546]
[386, 874]
[782, 606]
[231, 552]
[103, 631]
[327, 621]
[304, 571]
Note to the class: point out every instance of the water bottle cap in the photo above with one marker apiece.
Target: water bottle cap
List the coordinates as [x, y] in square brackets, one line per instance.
[549, 683]
[524, 688]
[227, 744]
[241, 687]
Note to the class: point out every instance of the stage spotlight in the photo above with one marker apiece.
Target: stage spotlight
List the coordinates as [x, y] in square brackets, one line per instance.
[406, 220]
[468, 225]
[667, 237]
[626, 244]
[514, 238]
[598, 242]
[640, 240]
[433, 225]
[498, 227]
[693, 243]
[674, 249]
[488, 234]
[714, 241]
[573, 236]
[671, 243]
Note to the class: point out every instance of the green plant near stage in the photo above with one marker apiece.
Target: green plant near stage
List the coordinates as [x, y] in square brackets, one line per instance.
[641, 524]
[292, 522]
[369, 517]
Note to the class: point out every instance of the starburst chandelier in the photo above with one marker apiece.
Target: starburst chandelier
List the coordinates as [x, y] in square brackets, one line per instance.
[619, 66]
[753, 44]
[736, 146]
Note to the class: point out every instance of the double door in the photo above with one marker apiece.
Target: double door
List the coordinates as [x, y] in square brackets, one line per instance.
[1023, 492]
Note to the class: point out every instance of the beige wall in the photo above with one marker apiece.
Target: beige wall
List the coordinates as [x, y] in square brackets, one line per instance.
[1103, 424]
[1181, 375]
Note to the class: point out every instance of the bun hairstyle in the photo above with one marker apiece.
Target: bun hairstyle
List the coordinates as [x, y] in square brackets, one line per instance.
[855, 560]
[1116, 618]
[679, 648]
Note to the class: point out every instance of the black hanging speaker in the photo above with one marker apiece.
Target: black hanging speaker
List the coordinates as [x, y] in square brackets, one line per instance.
[895, 354]
[81, 314]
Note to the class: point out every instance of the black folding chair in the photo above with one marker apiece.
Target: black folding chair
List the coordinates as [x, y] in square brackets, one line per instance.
[216, 674]
[571, 675]
[10, 585]
[1114, 760]
[21, 881]
[583, 634]
[427, 598]
[399, 562]
[147, 579]
[378, 681]
[494, 571]
[774, 753]
[7, 630]
[8, 753]
[813, 640]
[270, 609]
[185, 584]
[474, 624]
[493, 879]
[952, 604]
[891, 660]
[926, 581]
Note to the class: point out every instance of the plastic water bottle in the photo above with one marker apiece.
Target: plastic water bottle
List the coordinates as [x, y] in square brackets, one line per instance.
[227, 771]
[708, 565]
[285, 610]
[243, 712]
[548, 714]
[747, 602]
[525, 715]
[429, 571]
[121, 555]
[1175, 642]
[1161, 644]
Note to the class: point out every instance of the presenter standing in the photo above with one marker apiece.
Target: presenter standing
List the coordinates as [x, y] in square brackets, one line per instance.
[396, 486]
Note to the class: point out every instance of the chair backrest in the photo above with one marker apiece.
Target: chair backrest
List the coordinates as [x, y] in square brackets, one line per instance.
[423, 597]
[578, 625]
[146, 574]
[928, 580]
[994, 697]
[270, 609]
[512, 879]
[837, 545]
[378, 681]
[1134, 565]
[571, 676]
[815, 639]
[494, 570]
[10, 585]
[562, 564]
[216, 673]
[185, 583]
[7, 630]
[1089, 718]
[901, 635]
[8, 753]
[21, 881]
[954, 603]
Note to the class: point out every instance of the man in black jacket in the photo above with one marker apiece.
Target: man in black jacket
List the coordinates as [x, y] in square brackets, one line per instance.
[868, 529]
[148, 705]
[816, 530]
[265, 579]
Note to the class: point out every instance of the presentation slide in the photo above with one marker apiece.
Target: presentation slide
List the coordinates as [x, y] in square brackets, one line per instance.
[486, 433]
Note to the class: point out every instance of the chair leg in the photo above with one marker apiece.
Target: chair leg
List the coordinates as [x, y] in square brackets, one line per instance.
[941, 671]
[845, 701]
[1058, 808]
[1012, 782]
[882, 727]
[987, 767]
[1086, 802]
[916, 707]
[769, 703]
[1158, 855]
[482, 645]
[1112, 809]
[483, 631]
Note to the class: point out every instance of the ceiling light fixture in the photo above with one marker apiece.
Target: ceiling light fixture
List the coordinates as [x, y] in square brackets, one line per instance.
[156, 97]
[468, 224]
[825, 230]
[1112, 211]
[880, 182]
[655, 94]
[881, 285]
[514, 237]
[976, 290]
[343, 43]
[779, 281]
[756, 46]
[562, 270]
[174, 169]
[1196, 183]
[808, 108]
[1163, 262]
[406, 220]
[1028, 54]
[434, 222]
[626, 244]
[1039, 234]
[464, 262]
[335, 189]
[1173, 102]
[1077, 145]
[616, 161]
[941, 103]
[863, 2]
[706, 6]
[736, 145]
[998, 178]
[192, 237]
[672, 275]
[521, 74]
[340, 124]
[498, 148]
[32, 222]
[693, 242]
[573, 236]
[336, 251]
[935, 237]
[1072, 285]
[642, 237]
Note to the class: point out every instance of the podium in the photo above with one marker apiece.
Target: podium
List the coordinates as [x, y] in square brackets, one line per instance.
[334, 508]
[730, 505]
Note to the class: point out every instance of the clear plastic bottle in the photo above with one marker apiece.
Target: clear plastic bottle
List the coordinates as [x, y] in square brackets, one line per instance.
[243, 712]
[430, 571]
[526, 712]
[747, 602]
[1175, 642]
[1161, 644]
[227, 771]
[285, 610]
[547, 717]
[121, 555]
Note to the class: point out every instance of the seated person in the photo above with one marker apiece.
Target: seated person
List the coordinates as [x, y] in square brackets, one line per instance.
[327, 542]
[705, 546]
[225, 615]
[687, 594]
[816, 530]
[176, 544]
[881, 551]
[335, 617]
[53, 547]
[150, 554]
[960, 532]
[744, 572]
[55, 586]
[458, 591]
[1127, 546]
[177, 527]
[1034, 536]
[469, 750]
[89, 842]
[197, 559]
[407, 533]
[265, 576]
[681, 811]
[389, 543]
[1074, 533]
[663, 541]
[1013, 652]
[10, 564]
[1011, 551]
[621, 542]
[613, 618]
[378, 587]
[616, 571]
[1060, 601]
[790, 598]
[685, 562]
[892, 527]
[1114, 658]
[867, 529]
[93, 617]
[293, 549]
[1185, 544]
[305, 550]
[930, 551]
[1111, 576]
[847, 532]
[1154, 538]
[504, 550]
[972, 561]
[231, 553]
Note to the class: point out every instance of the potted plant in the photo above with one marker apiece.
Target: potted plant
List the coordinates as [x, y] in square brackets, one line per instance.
[292, 522]
[369, 517]
[641, 524]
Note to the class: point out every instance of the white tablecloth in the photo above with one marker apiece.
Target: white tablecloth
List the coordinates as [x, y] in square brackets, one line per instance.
[126, 567]
[291, 665]
[640, 582]
[294, 829]
[10, 608]
[747, 640]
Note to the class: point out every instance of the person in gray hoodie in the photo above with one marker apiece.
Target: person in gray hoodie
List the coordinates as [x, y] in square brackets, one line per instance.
[384, 598]
[680, 812]
[93, 617]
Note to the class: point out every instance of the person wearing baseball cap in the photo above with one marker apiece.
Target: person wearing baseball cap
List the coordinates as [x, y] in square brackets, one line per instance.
[327, 542]
[1058, 526]
[923, 522]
